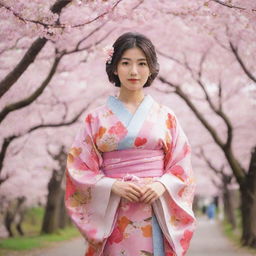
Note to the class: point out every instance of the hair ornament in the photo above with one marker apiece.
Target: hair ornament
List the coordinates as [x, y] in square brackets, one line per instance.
[108, 51]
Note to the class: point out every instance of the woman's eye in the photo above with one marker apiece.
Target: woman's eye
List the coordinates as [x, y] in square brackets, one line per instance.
[143, 63]
[124, 63]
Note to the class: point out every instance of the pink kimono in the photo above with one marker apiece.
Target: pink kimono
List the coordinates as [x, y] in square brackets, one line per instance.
[145, 147]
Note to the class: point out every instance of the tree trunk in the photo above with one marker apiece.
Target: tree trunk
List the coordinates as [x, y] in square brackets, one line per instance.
[248, 205]
[248, 209]
[8, 220]
[51, 216]
[15, 211]
[20, 214]
[55, 195]
[228, 208]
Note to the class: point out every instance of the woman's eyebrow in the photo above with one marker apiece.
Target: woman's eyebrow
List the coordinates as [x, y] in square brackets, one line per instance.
[130, 59]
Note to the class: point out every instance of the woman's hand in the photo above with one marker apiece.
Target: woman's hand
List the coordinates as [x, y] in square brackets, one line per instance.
[127, 190]
[151, 192]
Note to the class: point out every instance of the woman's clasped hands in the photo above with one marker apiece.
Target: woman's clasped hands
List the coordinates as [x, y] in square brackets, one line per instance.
[134, 193]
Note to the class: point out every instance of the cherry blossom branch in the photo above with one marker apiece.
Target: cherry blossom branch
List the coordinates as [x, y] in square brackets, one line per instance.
[56, 8]
[25, 102]
[217, 170]
[8, 140]
[57, 24]
[96, 18]
[242, 64]
[77, 49]
[59, 55]
[199, 115]
[180, 14]
[21, 67]
[25, 20]
[11, 47]
[218, 111]
[235, 165]
[231, 6]
[30, 55]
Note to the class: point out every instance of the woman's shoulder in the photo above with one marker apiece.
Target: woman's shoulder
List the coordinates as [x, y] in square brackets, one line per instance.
[166, 109]
[97, 111]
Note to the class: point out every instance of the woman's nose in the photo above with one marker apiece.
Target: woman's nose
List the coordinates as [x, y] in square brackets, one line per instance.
[134, 69]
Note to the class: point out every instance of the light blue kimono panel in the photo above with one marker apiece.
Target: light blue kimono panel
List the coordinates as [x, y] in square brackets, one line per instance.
[134, 123]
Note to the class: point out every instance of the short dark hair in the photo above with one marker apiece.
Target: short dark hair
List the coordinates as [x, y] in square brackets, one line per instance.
[127, 41]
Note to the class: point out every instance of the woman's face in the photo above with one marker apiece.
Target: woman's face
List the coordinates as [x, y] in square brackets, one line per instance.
[133, 65]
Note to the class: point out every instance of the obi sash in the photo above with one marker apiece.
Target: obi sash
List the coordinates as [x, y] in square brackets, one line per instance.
[129, 163]
[133, 164]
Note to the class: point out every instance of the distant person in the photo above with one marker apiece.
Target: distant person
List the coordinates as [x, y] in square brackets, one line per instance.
[211, 210]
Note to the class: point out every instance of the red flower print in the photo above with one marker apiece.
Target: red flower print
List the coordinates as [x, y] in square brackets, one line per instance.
[70, 188]
[147, 230]
[186, 219]
[187, 235]
[89, 119]
[181, 191]
[186, 149]
[178, 171]
[170, 122]
[170, 254]
[116, 236]
[90, 251]
[117, 129]
[140, 141]
[101, 131]
[92, 232]
[123, 222]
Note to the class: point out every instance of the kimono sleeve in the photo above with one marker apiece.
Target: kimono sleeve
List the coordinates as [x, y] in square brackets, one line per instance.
[174, 208]
[88, 199]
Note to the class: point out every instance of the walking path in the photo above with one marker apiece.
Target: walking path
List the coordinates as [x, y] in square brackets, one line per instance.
[208, 240]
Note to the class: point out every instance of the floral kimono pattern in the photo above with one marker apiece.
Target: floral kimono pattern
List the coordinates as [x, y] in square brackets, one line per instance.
[145, 147]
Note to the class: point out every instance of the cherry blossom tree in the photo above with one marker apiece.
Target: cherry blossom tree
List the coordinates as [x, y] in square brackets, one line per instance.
[203, 76]
[52, 52]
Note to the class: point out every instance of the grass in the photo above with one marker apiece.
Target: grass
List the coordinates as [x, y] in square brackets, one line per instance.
[39, 241]
[235, 235]
[33, 239]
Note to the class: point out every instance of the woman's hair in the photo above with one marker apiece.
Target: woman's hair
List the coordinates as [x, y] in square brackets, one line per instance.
[127, 41]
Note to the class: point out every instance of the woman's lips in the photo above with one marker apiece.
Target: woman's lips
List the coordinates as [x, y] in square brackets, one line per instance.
[133, 80]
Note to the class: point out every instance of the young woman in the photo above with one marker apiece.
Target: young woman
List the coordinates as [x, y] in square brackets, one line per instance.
[130, 185]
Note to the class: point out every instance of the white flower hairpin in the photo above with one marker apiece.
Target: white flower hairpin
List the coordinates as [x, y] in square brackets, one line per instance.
[108, 51]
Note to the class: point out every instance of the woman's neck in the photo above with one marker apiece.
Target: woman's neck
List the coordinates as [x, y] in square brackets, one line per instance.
[131, 97]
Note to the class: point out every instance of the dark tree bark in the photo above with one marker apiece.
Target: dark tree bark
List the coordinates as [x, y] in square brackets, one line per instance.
[228, 205]
[8, 220]
[55, 196]
[248, 204]
[15, 210]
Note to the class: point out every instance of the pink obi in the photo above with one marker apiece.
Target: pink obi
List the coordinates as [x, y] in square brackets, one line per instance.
[130, 163]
